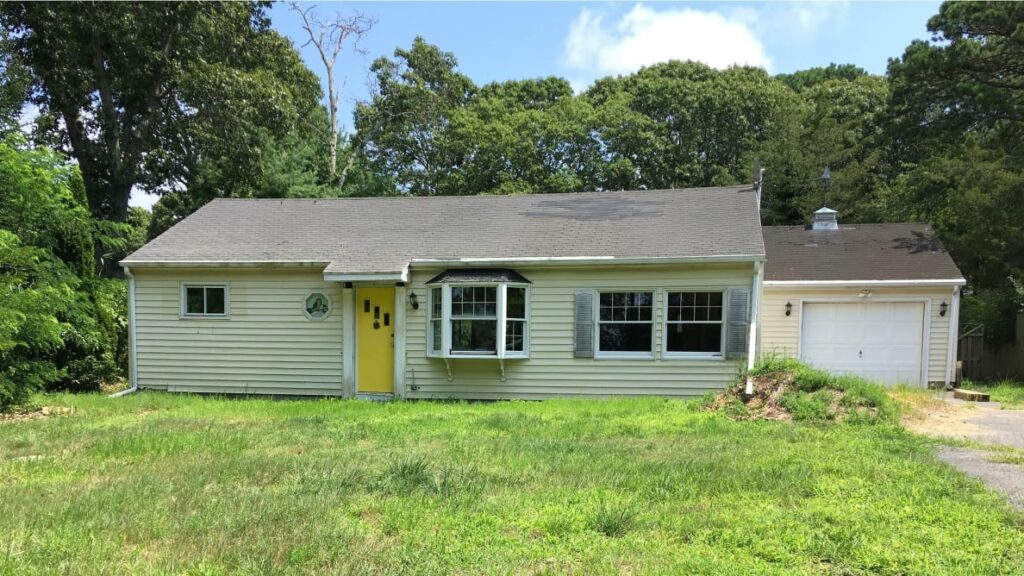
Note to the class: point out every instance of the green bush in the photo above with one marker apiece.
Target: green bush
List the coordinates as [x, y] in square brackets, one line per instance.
[59, 325]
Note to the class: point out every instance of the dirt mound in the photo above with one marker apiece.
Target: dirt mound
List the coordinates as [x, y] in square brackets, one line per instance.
[790, 395]
[764, 404]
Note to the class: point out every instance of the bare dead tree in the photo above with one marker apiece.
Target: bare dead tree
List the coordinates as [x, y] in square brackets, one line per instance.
[329, 37]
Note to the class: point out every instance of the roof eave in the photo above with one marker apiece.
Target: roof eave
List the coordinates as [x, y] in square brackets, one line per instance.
[127, 263]
[895, 283]
[582, 260]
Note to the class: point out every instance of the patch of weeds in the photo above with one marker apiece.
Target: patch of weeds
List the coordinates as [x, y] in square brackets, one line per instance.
[1008, 393]
[814, 406]
[404, 474]
[611, 519]
[451, 481]
[318, 479]
[413, 473]
[1007, 459]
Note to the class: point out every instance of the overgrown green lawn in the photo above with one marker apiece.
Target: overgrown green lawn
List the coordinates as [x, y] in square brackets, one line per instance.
[1007, 392]
[156, 483]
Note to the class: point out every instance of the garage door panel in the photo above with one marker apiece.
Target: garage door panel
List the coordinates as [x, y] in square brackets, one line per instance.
[880, 341]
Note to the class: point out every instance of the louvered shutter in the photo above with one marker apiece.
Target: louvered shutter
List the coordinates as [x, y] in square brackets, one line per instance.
[738, 325]
[583, 331]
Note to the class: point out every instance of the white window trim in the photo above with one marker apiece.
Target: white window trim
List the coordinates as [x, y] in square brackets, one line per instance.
[503, 292]
[500, 319]
[669, 355]
[330, 305]
[183, 300]
[431, 353]
[607, 355]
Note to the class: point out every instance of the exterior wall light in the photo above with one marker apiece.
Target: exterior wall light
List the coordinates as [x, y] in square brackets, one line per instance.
[942, 309]
[414, 301]
[789, 308]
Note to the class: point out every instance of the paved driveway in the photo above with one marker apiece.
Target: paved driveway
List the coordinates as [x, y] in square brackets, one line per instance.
[987, 423]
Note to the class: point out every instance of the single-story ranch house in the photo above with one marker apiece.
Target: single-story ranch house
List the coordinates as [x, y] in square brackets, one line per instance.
[650, 292]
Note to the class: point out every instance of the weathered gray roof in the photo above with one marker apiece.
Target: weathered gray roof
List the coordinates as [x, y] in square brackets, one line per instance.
[856, 252]
[382, 235]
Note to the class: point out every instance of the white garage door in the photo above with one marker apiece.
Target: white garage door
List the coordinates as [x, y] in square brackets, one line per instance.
[881, 341]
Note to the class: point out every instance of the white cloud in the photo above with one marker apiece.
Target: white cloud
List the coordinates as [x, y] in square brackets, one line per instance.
[644, 36]
[798, 21]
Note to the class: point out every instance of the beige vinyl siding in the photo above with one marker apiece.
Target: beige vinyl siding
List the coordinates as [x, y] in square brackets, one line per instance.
[266, 345]
[551, 369]
[781, 334]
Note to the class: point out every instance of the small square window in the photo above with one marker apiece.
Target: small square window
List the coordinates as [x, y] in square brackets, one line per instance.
[205, 300]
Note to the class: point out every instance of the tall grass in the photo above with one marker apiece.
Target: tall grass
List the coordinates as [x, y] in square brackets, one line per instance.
[164, 484]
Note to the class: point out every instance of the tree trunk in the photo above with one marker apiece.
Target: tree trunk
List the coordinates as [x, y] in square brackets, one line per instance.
[332, 146]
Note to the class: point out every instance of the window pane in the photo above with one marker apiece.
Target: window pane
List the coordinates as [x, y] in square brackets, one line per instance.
[627, 306]
[435, 335]
[515, 302]
[625, 338]
[514, 335]
[215, 300]
[435, 302]
[194, 300]
[694, 337]
[474, 336]
[694, 307]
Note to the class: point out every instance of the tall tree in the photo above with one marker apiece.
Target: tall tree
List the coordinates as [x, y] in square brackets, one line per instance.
[686, 124]
[329, 37]
[957, 124]
[402, 132]
[142, 93]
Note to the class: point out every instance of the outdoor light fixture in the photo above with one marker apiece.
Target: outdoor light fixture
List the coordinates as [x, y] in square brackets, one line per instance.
[942, 309]
[414, 301]
[789, 308]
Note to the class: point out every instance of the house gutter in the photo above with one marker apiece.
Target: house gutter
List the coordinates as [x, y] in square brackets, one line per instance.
[584, 260]
[133, 374]
[860, 283]
[755, 313]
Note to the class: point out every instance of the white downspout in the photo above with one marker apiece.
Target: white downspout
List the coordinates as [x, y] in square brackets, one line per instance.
[133, 373]
[755, 313]
[954, 336]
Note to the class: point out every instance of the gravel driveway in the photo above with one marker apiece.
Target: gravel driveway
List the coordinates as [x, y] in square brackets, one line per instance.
[987, 423]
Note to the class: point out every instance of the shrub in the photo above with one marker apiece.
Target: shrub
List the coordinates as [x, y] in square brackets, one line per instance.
[59, 325]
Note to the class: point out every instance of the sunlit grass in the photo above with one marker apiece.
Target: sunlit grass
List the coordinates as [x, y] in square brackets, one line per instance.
[1007, 392]
[169, 484]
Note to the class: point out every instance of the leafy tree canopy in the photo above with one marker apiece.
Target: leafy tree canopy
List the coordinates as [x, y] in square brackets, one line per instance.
[145, 95]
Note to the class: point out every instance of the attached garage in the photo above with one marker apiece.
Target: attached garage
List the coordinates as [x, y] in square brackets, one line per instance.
[876, 300]
[880, 341]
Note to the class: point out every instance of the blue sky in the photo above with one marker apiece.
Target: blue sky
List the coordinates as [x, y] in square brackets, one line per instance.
[582, 41]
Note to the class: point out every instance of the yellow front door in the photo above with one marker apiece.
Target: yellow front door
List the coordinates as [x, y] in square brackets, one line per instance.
[375, 340]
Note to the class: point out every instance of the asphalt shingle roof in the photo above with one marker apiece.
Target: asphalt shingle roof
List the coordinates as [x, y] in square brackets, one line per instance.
[856, 252]
[382, 235]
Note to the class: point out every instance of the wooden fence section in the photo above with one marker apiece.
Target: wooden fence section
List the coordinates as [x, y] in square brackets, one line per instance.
[970, 353]
[979, 362]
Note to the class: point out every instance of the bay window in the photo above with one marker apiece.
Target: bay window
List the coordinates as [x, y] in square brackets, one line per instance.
[473, 314]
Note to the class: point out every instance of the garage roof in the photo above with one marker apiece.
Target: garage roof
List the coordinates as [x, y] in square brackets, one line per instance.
[854, 252]
[383, 235]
